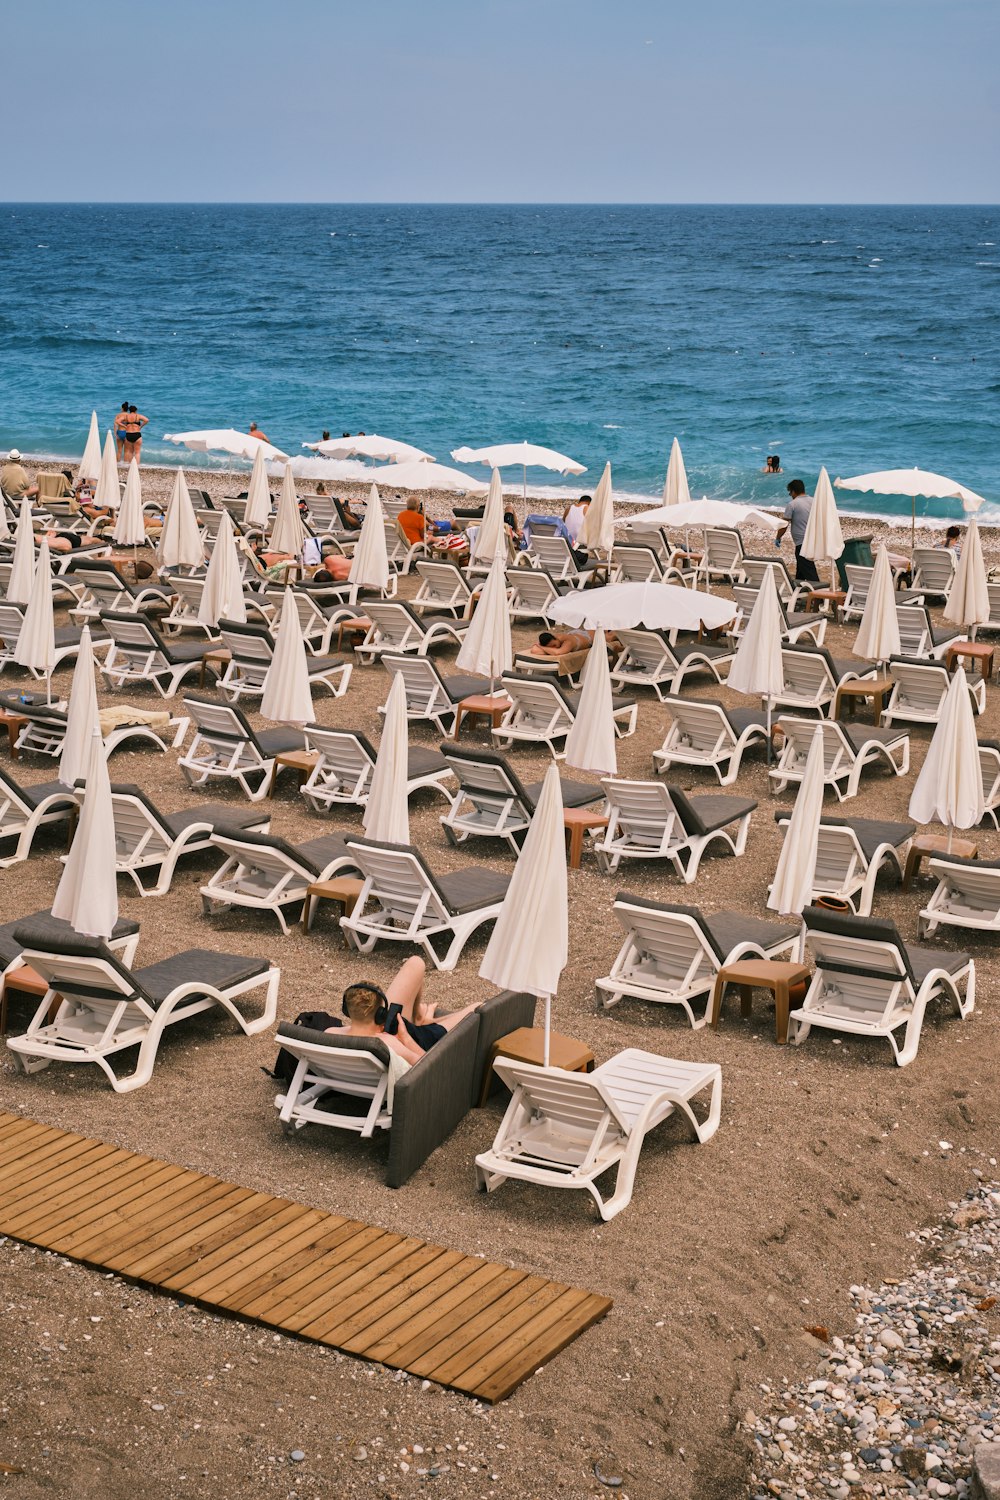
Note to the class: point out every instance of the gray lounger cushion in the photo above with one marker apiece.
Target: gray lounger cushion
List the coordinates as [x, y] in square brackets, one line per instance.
[723, 929]
[707, 813]
[45, 926]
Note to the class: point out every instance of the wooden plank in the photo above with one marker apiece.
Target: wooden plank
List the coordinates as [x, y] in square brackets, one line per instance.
[27, 1168]
[226, 1284]
[191, 1219]
[384, 1288]
[113, 1175]
[75, 1179]
[271, 1284]
[457, 1334]
[20, 1134]
[174, 1255]
[468, 1277]
[116, 1224]
[488, 1282]
[355, 1271]
[479, 1340]
[145, 1182]
[235, 1247]
[548, 1342]
[299, 1293]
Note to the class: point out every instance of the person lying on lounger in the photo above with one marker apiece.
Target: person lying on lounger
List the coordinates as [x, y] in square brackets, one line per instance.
[400, 1016]
[568, 641]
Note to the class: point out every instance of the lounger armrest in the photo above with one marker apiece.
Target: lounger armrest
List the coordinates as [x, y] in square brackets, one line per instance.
[430, 1100]
[498, 1016]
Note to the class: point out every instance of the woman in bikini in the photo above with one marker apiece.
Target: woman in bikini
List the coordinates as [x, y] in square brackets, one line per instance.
[132, 427]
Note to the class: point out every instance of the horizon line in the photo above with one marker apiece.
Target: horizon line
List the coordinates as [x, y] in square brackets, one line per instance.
[474, 203]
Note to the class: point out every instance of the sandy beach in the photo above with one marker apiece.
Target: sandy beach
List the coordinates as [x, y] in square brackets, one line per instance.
[827, 1159]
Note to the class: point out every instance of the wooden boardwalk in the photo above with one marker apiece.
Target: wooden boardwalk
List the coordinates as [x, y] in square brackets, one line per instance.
[455, 1319]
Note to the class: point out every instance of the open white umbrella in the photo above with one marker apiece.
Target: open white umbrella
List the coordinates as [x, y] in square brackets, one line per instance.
[107, 492]
[675, 490]
[529, 946]
[416, 475]
[703, 512]
[81, 715]
[915, 483]
[180, 544]
[130, 527]
[224, 440]
[22, 571]
[387, 816]
[222, 593]
[878, 634]
[87, 894]
[288, 534]
[524, 455]
[331, 470]
[590, 744]
[90, 463]
[597, 533]
[968, 604]
[824, 540]
[370, 563]
[371, 445]
[490, 539]
[36, 640]
[795, 876]
[286, 697]
[757, 667]
[950, 785]
[487, 647]
[653, 606]
[258, 506]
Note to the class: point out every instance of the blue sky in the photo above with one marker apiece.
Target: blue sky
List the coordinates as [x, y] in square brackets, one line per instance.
[503, 100]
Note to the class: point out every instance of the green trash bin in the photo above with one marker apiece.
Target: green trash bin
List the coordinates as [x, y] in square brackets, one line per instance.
[857, 553]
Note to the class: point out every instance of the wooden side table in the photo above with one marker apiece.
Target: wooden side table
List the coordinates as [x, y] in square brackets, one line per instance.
[23, 981]
[481, 703]
[13, 724]
[576, 821]
[817, 598]
[352, 628]
[934, 843]
[527, 1044]
[299, 761]
[876, 688]
[217, 657]
[345, 889]
[786, 981]
[973, 651]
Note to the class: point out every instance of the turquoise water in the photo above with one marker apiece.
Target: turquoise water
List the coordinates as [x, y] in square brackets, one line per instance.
[862, 338]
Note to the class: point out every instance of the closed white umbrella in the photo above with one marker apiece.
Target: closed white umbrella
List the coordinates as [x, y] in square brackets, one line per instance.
[225, 440]
[36, 640]
[653, 606]
[258, 506]
[968, 604]
[824, 540]
[795, 876]
[130, 527]
[87, 894]
[487, 647]
[286, 697]
[675, 490]
[4, 525]
[524, 455]
[950, 785]
[370, 563]
[222, 593]
[22, 571]
[878, 634]
[90, 463]
[180, 544]
[490, 539]
[107, 492]
[529, 946]
[757, 667]
[597, 533]
[81, 715]
[288, 534]
[371, 445]
[387, 816]
[914, 483]
[417, 475]
[590, 744]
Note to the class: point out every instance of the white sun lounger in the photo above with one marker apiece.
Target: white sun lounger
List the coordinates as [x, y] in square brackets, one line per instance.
[812, 677]
[253, 647]
[542, 711]
[443, 589]
[650, 820]
[920, 688]
[25, 809]
[429, 693]
[851, 853]
[148, 839]
[398, 629]
[493, 802]
[343, 772]
[531, 593]
[227, 748]
[705, 733]
[266, 873]
[919, 638]
[967, 895]
[649, 660]
[847, 750]
[138, 654]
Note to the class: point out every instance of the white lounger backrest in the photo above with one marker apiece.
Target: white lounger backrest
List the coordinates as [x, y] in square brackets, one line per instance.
[425, 696]
[345, 766]
[755, 568]
[400, 885]
[137, 832]
[642, 811]
[723, 550]
[933, 569]
[670, 944]
[699, 726]
[576, 1104]
[553, 555]
[91, 982]
[870, 995]
[255, 650]
[807, 676]
[531, 591]
[837, 748]
[914, 630]
[441, 585]
[632, 563]
[265, 867]
[920, 685]
[978, 887]
[396, 627]
[537, 704]
[646, 653]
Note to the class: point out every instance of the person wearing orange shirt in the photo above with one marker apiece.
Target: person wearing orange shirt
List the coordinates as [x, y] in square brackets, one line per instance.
[412, 523]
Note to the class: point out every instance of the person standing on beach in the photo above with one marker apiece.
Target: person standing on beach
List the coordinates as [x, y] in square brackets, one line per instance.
[797, 515]
[119, 429]
[133, 425]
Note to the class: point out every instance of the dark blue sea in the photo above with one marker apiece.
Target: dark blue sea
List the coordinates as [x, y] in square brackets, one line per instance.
[862, 338]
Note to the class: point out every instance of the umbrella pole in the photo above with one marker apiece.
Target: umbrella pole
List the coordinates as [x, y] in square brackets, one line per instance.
[913, 528]
[951, 834]
[548, 1030]
[524, 484]
[768, 705]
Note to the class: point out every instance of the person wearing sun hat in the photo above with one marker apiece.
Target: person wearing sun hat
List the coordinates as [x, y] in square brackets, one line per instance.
[14, 479]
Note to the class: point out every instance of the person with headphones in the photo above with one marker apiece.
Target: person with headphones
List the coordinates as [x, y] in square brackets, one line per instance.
[400, 1016]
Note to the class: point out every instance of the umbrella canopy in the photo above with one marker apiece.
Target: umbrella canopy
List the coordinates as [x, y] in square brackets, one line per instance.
[417, 475]
[370, 563]
[87, 895]
[224, 440]
[288, 534]
[130, 527]
[490, 540]
[523, 455]
[824, 540]
[36, 641]
[286, 697]
[795, 876]
[656, 606]
[487, 647]
[81, 715]
[529, 945]
[180, 544]
[968, 604]
[387, 816]
[675, 491]
[590, 744]
[878, 634]
[703, 512]
[757, 665]
[916, 483]
[331, 470]
[370, 445]
[597, 533]
[90, 463]
[22, 572]
[107, 493]
[258, 506]
[950, 785]
[222, 594]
